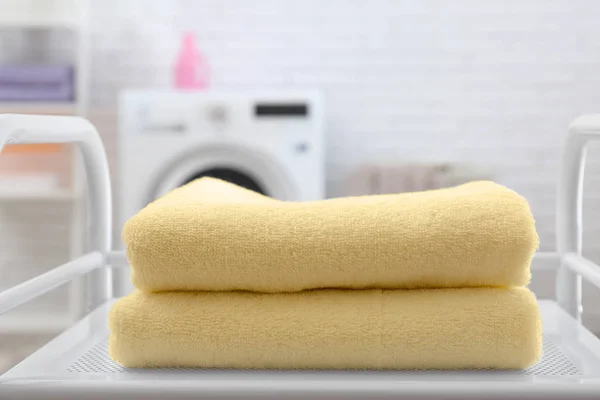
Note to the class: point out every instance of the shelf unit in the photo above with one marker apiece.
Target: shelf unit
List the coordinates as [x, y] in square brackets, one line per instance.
[57, 108]
[69, 15]
[37, 195]
[41, 14]
[52, 14]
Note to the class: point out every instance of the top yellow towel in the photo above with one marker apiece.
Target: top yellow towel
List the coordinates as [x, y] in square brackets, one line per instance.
[212, 235]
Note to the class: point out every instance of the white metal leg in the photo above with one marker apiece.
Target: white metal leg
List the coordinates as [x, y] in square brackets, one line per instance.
[569, 225]
[569, 209]
[52, 129]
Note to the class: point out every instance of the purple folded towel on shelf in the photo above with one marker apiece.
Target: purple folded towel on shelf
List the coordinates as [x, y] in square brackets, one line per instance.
[36, 83]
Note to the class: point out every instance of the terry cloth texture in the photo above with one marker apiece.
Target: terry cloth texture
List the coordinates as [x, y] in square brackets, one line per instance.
[214, 236]
[329, 329]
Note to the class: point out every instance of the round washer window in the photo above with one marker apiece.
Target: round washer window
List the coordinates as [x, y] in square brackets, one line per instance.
[246, 167]
[229, 175]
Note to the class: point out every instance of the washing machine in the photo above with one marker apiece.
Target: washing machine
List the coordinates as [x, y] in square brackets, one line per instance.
[272, 143]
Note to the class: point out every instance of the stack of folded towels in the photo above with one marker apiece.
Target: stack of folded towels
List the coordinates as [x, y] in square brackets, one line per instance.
[228, 278]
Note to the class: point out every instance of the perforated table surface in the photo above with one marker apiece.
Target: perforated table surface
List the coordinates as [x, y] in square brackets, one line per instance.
[76, 365]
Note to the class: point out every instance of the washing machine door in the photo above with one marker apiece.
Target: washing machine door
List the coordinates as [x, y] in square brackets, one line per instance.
[245, 167]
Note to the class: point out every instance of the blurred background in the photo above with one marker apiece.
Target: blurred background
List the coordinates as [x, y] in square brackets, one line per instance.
[298, 100]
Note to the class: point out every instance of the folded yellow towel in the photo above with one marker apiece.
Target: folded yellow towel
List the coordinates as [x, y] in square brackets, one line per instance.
[329, 329]
[212, 235]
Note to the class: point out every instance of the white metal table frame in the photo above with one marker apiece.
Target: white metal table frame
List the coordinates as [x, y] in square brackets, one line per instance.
[98, 262]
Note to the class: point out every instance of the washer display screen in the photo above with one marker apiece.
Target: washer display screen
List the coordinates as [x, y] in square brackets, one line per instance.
[280, 110]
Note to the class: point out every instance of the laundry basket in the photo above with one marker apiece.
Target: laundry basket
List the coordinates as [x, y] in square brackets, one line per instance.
[76, 365]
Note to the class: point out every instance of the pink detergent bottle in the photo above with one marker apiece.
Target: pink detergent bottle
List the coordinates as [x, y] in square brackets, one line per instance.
[191, 69]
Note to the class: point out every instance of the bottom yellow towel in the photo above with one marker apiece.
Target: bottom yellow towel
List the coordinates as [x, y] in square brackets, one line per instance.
[329, 329]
